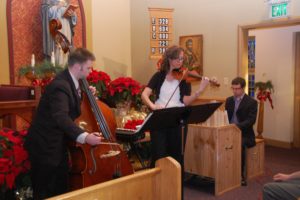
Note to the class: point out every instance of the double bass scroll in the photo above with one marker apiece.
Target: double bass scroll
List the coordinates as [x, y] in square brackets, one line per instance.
[99, 163]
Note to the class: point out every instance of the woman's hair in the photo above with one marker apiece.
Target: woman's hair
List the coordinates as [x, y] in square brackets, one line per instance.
[171, 53]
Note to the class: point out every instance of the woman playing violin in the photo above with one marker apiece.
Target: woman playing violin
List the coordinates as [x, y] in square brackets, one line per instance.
[170, 92]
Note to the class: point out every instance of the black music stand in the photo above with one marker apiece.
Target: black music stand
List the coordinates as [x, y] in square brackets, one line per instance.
[172, 117]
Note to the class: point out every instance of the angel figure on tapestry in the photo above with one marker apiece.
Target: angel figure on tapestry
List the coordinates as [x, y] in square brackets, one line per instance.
[59, 20]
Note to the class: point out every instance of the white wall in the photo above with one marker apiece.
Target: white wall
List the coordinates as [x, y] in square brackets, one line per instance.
[216, 20]
[111, 36]
[275, 62]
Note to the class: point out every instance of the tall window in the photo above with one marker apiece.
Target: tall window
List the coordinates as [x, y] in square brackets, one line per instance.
[251, 66]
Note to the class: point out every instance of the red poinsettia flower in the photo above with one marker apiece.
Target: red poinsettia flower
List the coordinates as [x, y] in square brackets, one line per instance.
[131, 124]
[13, 157]
[9, 179]
[124, 89]
[2, 179]
[100, 80]
[4, 165]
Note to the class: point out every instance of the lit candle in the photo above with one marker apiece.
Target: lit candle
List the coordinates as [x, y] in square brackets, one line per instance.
[32, 63]
[32, 60]
[52, 58]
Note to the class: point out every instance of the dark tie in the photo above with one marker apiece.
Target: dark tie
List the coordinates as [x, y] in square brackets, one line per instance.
[79, 91]
[234, 119]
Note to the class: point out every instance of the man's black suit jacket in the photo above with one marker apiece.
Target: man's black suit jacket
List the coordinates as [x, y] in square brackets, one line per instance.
[54, 123]
[246, 115]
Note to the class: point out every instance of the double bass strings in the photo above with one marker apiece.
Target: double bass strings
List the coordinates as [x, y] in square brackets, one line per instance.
[97, 113]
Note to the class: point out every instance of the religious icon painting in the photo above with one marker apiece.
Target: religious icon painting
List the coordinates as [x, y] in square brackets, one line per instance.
[193, 52]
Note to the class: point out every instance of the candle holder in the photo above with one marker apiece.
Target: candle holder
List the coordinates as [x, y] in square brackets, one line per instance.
[30, 75]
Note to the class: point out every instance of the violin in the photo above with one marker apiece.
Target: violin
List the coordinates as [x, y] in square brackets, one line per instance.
[59, 38]
[190, 76]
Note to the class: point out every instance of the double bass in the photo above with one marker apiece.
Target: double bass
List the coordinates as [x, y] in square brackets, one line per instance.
[95, 164]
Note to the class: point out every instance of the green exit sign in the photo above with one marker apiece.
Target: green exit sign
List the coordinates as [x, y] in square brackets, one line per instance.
[279, 10]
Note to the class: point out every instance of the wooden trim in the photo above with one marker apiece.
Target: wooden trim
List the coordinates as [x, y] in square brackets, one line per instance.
[277, 143]
[274, 23]
[83, 23]
[161, 9]
[242, 51]
[10, 42]
[296, 140]
[243, 39]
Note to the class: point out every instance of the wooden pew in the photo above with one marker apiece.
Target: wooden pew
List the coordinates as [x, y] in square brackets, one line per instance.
[17, 100]
[160, 183]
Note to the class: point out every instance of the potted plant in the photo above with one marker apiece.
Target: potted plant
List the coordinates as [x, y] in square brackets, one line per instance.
[100, 80]
[14, 163]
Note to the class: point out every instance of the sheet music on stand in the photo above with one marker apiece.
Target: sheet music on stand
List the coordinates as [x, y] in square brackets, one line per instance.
[171, 117]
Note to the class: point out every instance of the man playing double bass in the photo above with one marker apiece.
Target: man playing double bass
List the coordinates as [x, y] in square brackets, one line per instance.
[54, 124]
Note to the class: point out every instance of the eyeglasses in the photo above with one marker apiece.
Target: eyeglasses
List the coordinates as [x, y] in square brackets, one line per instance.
[236, 88]
[179, 59]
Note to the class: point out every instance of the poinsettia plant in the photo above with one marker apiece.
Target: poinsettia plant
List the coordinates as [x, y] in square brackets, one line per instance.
[265, 89]
[100, 80]
[131, 124]
[124, 89]
[13, 157]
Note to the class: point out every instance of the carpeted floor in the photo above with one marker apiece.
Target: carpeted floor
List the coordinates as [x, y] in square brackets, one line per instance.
[276, 160]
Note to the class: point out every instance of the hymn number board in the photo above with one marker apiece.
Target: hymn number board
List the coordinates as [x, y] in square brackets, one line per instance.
[161, 31]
